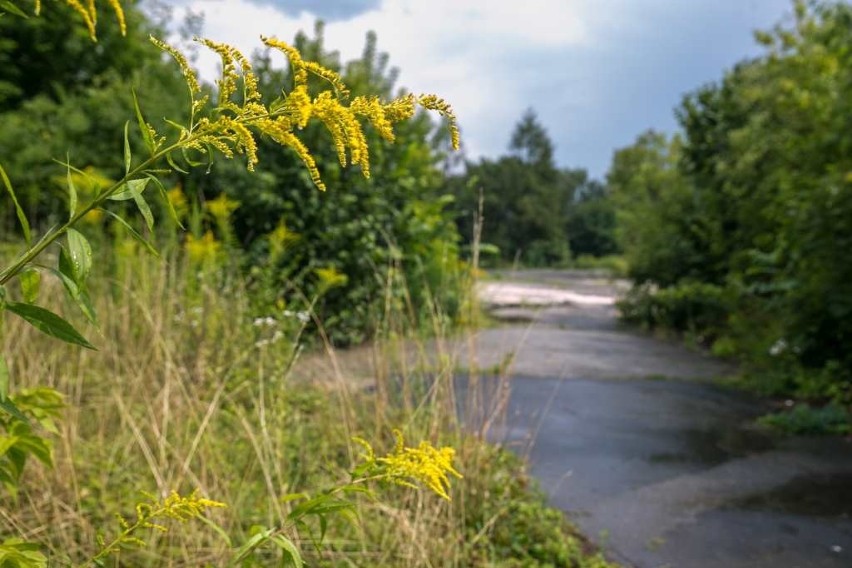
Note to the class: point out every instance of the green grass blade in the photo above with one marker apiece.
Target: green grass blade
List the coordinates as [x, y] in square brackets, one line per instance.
[25, 225]
[4, 379]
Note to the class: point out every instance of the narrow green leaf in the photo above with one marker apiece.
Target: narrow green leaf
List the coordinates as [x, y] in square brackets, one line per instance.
[6, 443]
[172, 163]
[131, 189]
[12, 9]
[25, 225]
[66, 267]
[143, 126]
[49, 323]
[286, 545]
[30, 280]
[4, 379]
[248, 547]
[80, 297]
[127, 157]
[133, 232]
[9, 408]
[80, 252]
[188, 160]
[40, 448]
[219, 530]
[165, 195]
[72, 191]
[145, 210]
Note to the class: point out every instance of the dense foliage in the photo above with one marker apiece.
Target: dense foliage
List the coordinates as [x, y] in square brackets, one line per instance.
[192, 395]
[744, 218]
[392, 226]
[344, 244]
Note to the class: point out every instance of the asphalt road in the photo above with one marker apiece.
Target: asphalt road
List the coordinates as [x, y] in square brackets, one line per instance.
[630, 437]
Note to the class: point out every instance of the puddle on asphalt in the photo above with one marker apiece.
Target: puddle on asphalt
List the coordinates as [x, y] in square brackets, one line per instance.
[811, 495]
[715, 446]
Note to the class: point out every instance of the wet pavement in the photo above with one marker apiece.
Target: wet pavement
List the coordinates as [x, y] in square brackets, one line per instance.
[631, 438]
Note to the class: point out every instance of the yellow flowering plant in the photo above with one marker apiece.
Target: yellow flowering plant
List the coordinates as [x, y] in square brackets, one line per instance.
[228, 126]
[415, 467]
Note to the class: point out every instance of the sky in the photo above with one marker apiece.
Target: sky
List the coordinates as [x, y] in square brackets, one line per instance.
[596, 72]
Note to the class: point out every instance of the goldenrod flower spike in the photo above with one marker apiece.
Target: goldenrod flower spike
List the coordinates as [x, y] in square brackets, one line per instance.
[433, 102]
[425, 464]
[300, 76]
[185, 69]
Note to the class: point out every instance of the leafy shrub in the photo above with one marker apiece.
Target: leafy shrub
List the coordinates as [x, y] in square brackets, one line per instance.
[693, 307]
[522, 531]
[804, 419]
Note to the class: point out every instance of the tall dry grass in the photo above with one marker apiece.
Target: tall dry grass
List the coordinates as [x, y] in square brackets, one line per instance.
[189, 391]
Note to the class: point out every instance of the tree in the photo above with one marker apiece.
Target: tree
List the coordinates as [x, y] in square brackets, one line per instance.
[755, 198]
[525, 198]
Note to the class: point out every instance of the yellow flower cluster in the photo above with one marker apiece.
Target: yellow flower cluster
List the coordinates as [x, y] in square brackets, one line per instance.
[222, 207]
[425, 464]
[174, 506]
[330, 278]
[89, 14]
[203, 249]
[234, 127]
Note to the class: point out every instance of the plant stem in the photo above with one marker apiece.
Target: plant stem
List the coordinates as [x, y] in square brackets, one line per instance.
[53, 234]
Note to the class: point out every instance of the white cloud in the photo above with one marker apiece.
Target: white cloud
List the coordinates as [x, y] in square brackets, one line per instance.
[597, 71]
[467, 51]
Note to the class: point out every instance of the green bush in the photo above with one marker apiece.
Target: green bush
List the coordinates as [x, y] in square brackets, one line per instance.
[807, 420]
[522, 531]
[695, 307]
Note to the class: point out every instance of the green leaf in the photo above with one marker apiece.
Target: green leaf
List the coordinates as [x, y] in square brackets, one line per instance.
[6, 443]
[145, 210]
[250, 545]
[174, 166]
[4, 379]
[30, 279]
[49, 323]
[131, 189]
[290, 550]
[133, 233]
[72, 190]
[188, 160]
[143, 126]
[12, 9]
[127, 156]
[9, 408]
[25, 225]
[80, 252]
[165, 195]
[76, 292]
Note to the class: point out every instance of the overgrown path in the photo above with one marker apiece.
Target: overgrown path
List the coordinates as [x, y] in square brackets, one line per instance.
[629, 435]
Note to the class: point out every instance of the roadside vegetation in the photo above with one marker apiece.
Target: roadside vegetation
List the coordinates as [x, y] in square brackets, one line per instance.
[218, 422]
[735, 229]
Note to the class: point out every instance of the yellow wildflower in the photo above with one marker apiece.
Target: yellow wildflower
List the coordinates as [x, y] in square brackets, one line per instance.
[222, 207]
[433, 102]
[203, 249]
[178, 200]
[188, 74]
[330, 278]
[425, 464]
